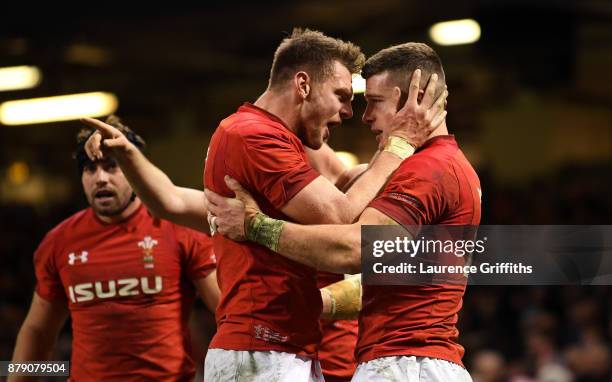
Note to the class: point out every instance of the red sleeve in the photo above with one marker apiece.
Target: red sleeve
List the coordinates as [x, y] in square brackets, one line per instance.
[276, 167]
[48, 283]
[196, 251]
[410, 201]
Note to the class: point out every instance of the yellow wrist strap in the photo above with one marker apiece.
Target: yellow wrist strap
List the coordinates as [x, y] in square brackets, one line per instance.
[399, 147]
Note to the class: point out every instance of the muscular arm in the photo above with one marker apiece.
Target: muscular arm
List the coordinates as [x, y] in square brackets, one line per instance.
[327, 163]
[184, 206]
[181, 205]
[39, 331]
[321, 202]
[332, 248]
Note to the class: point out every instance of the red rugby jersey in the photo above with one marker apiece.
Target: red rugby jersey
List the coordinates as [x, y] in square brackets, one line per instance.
[437, 185]
[267, 302]
[129, 292]
[337, 347]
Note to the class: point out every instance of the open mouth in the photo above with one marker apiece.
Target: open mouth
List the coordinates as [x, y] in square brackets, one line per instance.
[104, 195]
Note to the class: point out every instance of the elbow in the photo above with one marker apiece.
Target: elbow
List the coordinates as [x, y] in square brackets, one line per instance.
[338, 212]
[168, 209]
[351, 258]
[353, 263]
[163, 213]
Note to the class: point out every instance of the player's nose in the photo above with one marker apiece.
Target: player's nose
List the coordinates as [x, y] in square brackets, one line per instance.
[346, 111]
[367, 118]
[101, 176]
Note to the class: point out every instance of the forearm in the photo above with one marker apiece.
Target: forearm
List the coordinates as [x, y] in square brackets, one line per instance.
[327, 163]
[332, 248]
[178, 204]
[32, 345]
[369, 184]
[150, 183]
[349, 177]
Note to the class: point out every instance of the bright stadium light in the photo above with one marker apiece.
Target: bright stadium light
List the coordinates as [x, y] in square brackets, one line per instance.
[455, 32]
[350, 160]
[18, 173]
[19, 77]
[59, 108]
[359, 84]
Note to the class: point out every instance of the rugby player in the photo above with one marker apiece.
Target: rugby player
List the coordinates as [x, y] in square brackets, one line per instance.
[407, 333]
[127, 279]
[267, 317]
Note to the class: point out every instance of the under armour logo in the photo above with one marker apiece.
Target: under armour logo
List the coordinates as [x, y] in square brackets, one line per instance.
[82, 257]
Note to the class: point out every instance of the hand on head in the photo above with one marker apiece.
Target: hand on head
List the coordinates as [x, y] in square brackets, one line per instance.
[105, 140]
[415, 121]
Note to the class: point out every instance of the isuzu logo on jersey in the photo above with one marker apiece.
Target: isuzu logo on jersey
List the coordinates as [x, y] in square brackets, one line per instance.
[147, 245]
[72, 258]
[112, 288]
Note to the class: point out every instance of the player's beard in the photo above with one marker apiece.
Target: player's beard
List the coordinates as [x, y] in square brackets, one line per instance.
[115, 209]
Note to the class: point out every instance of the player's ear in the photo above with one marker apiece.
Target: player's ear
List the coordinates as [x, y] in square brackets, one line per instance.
[399, 97]
[302, 84]
[397, 93]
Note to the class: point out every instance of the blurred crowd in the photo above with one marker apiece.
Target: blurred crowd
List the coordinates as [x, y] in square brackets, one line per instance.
[518, 334]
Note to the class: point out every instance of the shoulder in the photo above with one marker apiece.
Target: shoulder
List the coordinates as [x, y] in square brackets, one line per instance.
[248, 126]
[68, 225]
[433, 162]
[59, 235]
[422, 165]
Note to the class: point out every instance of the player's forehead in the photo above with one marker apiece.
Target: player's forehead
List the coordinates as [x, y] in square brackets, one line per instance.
[106, 161]
[379, 85]
[340, 79]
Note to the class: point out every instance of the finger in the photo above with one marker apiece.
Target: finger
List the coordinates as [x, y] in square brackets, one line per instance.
[213, 198]
[438, 120]
[436, 111]
[235, 186]
[438, 106]
[105, 129]
[413, 92]
[211, 224]
[92, 146]
[213, 209]
[430, 92]
[112, 142]
[221, 230]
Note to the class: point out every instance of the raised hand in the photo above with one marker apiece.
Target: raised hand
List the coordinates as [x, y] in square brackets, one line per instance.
[106, 140]
[415, 121]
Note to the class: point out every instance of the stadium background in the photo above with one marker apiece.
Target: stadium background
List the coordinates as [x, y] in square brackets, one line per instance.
[529, 103]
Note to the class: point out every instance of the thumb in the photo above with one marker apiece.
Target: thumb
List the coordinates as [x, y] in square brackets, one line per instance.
[235, 186]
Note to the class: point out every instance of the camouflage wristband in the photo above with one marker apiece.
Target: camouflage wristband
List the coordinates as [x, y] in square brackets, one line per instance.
[264, 230]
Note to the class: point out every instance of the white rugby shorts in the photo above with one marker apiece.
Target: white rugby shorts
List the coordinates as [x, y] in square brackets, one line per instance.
[259, 366]
[410, 369]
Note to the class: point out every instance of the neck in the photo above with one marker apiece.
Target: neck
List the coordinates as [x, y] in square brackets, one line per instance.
[440, 130]
[126, 213]
[277, 104]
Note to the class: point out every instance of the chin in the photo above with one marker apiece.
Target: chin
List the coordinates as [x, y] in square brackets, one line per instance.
[105, 211]
[314, 145]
